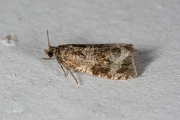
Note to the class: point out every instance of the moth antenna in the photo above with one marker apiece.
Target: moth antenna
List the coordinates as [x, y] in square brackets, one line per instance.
[48, 39]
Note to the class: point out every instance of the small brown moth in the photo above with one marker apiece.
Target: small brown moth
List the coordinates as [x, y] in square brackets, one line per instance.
[113, 61]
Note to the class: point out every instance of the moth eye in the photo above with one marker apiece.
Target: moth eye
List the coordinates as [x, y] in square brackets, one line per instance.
[50, 54]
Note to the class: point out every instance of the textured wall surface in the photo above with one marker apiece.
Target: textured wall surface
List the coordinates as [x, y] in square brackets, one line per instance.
[33, 88]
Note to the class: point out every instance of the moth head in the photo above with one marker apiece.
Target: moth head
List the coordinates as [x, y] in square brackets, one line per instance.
[51, 50]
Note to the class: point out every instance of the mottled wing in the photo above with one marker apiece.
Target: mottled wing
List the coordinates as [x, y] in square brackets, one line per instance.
[113, 61]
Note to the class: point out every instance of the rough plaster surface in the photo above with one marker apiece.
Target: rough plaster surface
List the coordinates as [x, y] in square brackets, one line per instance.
[32, 88]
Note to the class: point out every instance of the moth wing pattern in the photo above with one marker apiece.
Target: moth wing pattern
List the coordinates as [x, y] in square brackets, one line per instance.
[113, 61]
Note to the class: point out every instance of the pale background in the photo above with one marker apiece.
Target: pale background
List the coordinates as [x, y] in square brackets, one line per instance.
[31, 88]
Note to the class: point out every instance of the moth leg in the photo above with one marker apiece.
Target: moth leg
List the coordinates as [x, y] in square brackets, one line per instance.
[73, 76]
[70, 72]
[46, 58]
[63, 70]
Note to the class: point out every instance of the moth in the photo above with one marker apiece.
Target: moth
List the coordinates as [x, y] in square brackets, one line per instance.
[112, 61]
